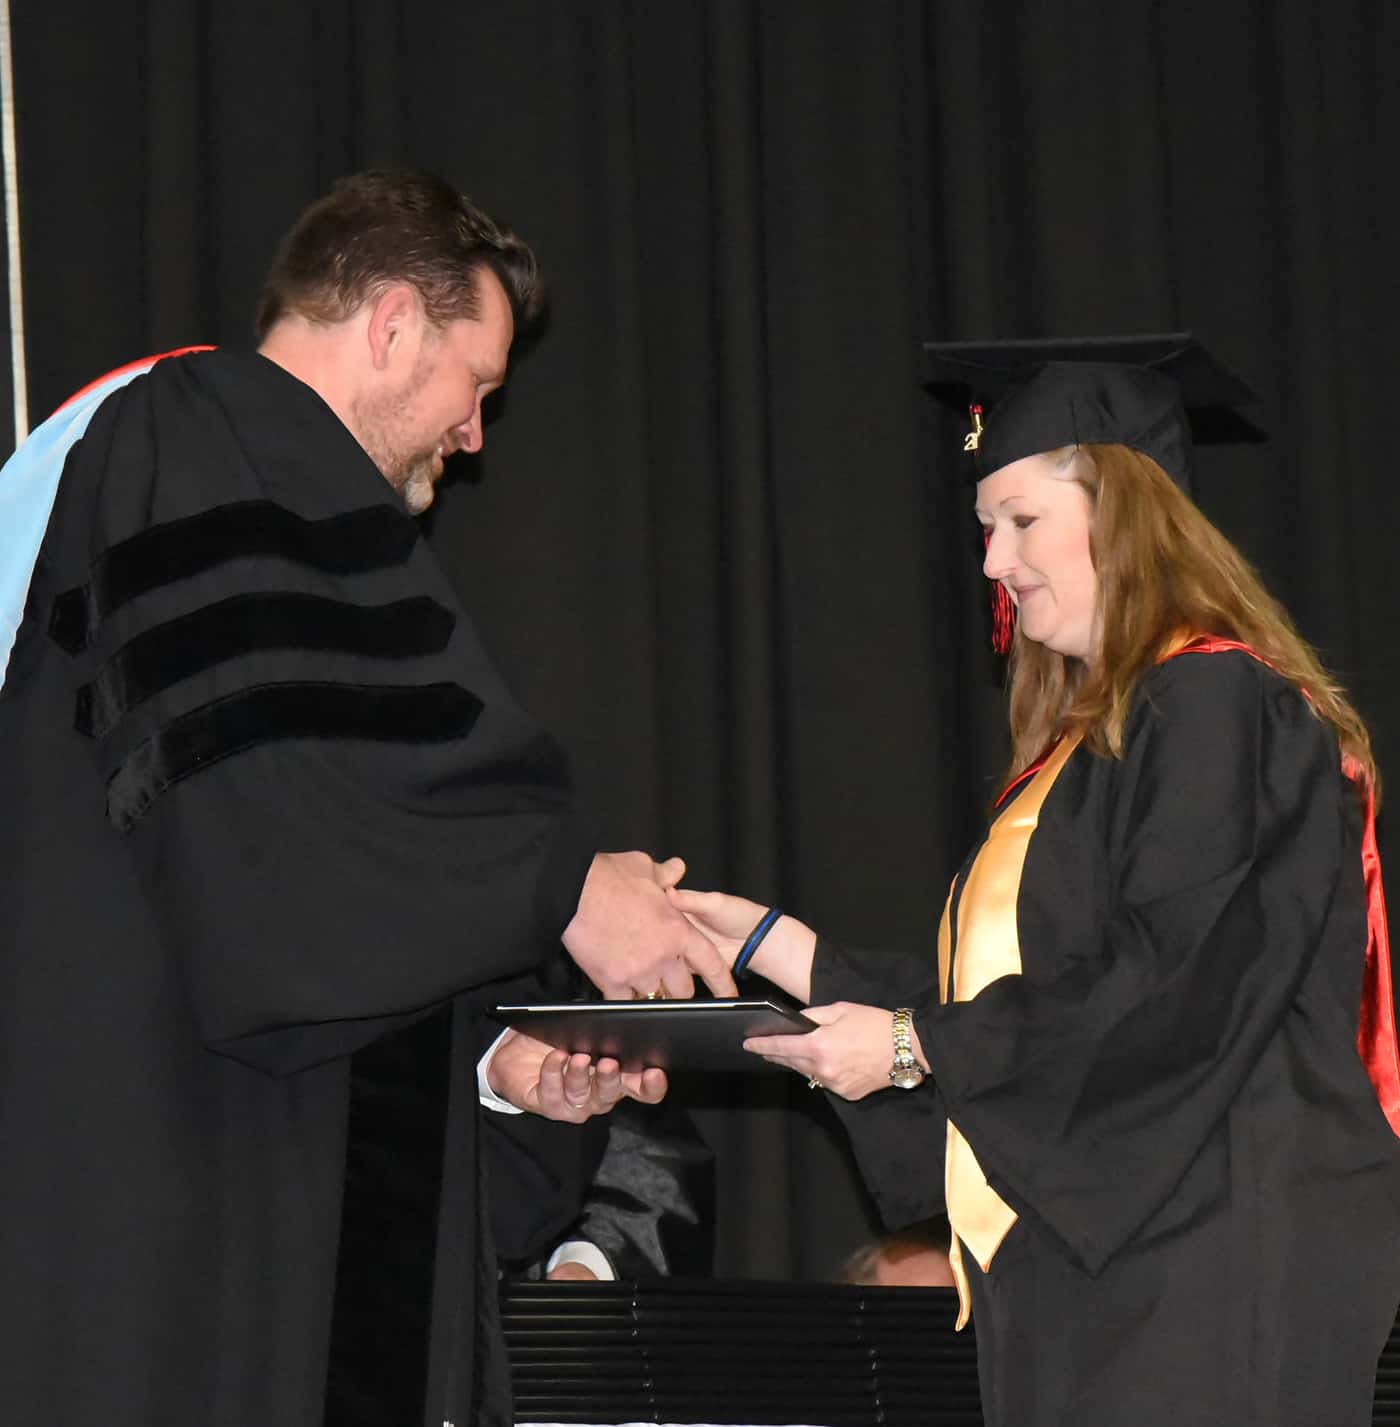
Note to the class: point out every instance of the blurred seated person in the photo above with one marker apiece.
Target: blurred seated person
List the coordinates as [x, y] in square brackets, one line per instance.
[631, 1196]
[913, 1257]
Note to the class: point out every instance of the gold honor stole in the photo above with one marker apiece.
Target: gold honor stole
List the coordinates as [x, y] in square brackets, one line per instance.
[988, 949]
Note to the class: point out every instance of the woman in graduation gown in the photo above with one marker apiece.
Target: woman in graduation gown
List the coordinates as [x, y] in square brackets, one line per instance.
[1155, 1049]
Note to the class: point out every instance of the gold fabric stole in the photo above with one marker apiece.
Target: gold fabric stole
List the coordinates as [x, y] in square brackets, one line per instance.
[988, 949]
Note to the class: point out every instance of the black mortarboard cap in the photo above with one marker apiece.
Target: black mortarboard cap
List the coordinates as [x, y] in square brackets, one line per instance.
[1153, 393]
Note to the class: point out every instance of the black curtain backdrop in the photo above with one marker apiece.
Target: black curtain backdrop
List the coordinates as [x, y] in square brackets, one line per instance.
[714, 538]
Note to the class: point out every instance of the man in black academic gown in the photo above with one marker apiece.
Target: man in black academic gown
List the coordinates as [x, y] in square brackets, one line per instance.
[274, 833]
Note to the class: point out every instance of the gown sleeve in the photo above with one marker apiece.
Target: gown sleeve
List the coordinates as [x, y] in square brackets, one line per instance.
[1086, 1091]
[321, 889]
[337, 813]
[897, 1135]
[538, 1172]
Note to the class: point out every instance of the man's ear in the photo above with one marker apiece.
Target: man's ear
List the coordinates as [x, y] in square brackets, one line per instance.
[394, 319]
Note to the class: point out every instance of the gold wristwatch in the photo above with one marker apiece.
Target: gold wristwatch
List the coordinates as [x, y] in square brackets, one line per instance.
[906, 1072]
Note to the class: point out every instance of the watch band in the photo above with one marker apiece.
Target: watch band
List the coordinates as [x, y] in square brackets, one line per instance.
[906, 1072]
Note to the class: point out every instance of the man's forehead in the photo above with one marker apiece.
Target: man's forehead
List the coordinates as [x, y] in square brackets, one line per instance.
[491, 293]
[481, 342]
[494, 315]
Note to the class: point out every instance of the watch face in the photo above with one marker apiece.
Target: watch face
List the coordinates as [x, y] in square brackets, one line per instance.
[906, 1077]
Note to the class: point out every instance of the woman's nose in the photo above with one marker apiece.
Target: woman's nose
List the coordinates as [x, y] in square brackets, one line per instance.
[996, 561]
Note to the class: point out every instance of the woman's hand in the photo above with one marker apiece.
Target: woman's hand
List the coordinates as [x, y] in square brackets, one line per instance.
[726, 920]
[850, 1052]
[784, 956]
[549, 1082]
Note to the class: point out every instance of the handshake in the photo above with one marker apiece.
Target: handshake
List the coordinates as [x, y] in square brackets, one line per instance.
[637, 933]
[632, 942]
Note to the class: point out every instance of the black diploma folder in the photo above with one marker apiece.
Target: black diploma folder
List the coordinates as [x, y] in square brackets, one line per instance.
[676, 1035]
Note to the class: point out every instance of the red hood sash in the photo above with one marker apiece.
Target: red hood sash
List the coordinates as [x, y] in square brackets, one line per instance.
[1028, 772]
[137, 366]
[1375, 1037]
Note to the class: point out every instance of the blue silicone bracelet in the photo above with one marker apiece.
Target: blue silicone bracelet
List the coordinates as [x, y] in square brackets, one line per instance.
[765, 925]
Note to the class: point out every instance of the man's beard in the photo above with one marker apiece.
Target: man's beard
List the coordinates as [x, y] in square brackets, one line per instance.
[412, 474]
[382, 426]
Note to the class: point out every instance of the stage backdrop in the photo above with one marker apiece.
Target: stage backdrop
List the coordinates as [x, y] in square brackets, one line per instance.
[714, 536]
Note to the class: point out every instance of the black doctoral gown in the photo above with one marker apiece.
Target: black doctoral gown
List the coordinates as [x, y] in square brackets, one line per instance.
[1169, 1094]
[272, 828]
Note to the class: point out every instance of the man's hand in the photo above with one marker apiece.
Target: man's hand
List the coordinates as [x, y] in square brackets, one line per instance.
[628, 938]
[549, 1082]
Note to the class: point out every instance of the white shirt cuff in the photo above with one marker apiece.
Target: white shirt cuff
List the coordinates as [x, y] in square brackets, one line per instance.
[581, 1251]
[487, 1096]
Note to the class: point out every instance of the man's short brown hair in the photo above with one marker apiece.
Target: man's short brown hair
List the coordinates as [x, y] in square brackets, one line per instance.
[377, 228]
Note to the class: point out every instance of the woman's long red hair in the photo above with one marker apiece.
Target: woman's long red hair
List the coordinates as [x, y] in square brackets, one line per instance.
[1163, 571]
